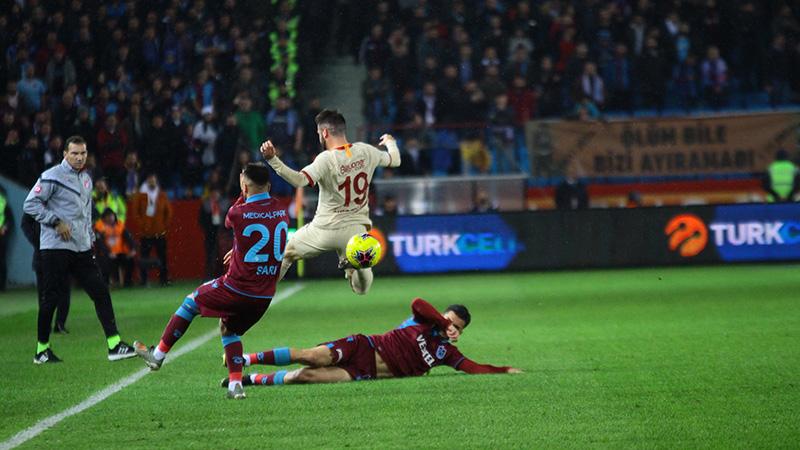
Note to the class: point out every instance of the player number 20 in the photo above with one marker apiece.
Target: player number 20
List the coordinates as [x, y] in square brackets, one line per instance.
[360, 186]
[253, 255]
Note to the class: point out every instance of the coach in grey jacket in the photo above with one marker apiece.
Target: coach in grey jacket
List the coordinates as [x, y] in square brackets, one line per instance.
[61, 201]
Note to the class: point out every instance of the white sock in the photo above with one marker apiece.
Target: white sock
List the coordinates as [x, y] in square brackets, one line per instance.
[252, 377]
[158, 354]
[232, 385]
[246, 359]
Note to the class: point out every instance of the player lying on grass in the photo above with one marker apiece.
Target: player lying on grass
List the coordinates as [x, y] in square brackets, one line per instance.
[420, 343]
[241, 296]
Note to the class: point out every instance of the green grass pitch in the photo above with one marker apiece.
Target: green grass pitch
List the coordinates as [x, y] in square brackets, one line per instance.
[638, 358]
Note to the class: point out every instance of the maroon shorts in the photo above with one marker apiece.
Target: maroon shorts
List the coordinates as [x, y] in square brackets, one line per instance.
[238, 312]
[356, 355]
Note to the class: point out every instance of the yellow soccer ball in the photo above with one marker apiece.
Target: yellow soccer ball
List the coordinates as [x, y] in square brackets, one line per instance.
[363, 251]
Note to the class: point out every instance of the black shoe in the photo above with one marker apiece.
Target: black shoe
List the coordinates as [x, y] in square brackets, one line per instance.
[46, 357]
[121, 351]
[246, 381]
[60, 329]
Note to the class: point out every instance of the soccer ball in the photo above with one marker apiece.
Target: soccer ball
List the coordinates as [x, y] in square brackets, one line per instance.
[363, 251]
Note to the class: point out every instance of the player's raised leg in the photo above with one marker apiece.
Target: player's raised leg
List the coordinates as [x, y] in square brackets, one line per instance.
[361, 280]
[176, 328]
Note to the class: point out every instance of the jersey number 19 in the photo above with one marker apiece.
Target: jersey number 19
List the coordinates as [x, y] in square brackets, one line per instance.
[360, 187]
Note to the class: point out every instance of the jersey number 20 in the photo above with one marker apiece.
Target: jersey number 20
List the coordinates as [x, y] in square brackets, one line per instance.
[360, 186]
[253, 255]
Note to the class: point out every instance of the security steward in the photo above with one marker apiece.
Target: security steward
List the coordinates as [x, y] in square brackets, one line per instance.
[781, 179]
[61, 201]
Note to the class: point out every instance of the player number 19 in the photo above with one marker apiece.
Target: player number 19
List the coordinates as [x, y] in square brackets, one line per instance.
[253, 255]
[360, 187]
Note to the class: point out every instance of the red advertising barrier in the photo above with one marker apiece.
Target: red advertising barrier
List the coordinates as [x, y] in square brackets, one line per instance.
[185, 241]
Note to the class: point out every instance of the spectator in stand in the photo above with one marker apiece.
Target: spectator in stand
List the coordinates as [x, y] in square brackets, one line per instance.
[591, 85]
[413, 160]
[60, 72]
[229, 142]
[617, 76]
[376, 92]
[112, 144]
[685, 79]
[475, 157]
[31, 91]
[501, 136]
[374, 51]
[481, 203]
[154, 214]
[548, 88]
[132, 168]
[652, 70]
[777, 69]
[212, 220]
[250, 122]
[205, 136]
[157, 150]
[492, 84]
[115, 248]
[714, 78]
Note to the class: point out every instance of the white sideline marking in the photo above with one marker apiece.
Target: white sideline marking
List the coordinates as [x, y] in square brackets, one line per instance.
[44, 424]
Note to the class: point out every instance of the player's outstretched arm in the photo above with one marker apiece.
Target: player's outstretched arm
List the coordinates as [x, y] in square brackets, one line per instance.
[390, 143]
[424, 312]
[471, 367]
[293, 177]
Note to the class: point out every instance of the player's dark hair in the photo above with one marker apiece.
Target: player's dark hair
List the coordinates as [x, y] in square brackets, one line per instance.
[77, 140]
[462, 312]
[333, 120]
[257, 173]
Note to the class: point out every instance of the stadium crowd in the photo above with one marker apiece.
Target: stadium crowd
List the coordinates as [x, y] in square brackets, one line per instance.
[183, 89]
[449, 65]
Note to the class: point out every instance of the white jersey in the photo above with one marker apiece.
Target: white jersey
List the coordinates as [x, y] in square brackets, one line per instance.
[344, 175]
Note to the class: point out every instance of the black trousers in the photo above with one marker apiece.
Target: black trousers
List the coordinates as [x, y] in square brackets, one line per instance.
[62, 305]
[160, 244]
[56, 268]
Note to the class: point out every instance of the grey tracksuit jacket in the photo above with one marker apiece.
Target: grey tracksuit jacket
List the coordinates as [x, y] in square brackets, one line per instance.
[62, 193]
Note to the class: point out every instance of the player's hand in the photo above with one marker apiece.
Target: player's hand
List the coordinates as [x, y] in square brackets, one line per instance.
[268, 151]
[453, 333]
[64, 231]
[514, 370]
[226, 260]
[385, 139]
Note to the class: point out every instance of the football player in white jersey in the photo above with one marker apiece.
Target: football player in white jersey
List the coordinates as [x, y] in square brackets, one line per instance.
[343, 172]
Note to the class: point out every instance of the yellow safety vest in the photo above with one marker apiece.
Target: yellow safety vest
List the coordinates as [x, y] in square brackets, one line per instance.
[3, 204]
[781, 177]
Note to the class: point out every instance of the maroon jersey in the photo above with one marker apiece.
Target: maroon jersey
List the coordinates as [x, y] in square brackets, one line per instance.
[260, 226]
[414, 349]
[420, 343]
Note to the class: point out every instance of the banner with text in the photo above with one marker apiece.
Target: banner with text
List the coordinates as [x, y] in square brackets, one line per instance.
[661, 146]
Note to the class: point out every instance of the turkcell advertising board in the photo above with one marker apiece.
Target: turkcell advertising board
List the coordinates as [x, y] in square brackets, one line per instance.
[573, 239]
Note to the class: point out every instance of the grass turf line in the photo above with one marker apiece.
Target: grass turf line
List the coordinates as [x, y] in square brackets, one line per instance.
[689, 357]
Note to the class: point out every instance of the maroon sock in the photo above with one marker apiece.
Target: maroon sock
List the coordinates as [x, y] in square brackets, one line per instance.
[175, 328]
[233, 355]
[275, 357]
[275, 378]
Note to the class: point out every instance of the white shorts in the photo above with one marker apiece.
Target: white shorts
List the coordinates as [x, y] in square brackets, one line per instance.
[310, 241]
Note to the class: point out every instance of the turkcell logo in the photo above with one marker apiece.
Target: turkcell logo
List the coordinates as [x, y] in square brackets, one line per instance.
[448, 243]
[756, 233]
